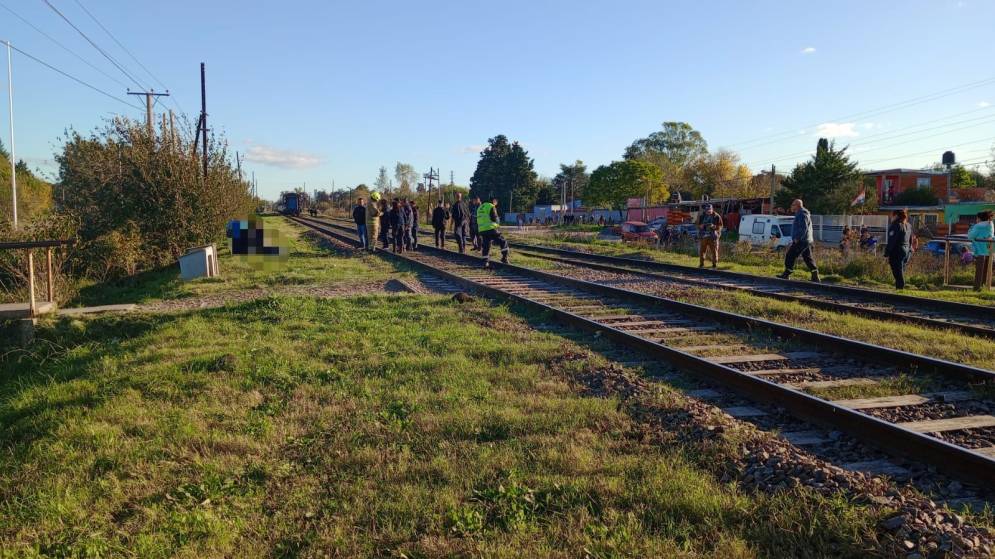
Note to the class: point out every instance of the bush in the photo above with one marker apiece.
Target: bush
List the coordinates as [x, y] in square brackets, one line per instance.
[141, 199]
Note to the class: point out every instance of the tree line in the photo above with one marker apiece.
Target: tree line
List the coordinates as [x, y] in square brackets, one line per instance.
[675, 162]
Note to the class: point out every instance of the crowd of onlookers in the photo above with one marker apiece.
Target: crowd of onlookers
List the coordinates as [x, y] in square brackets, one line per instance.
[396, 226]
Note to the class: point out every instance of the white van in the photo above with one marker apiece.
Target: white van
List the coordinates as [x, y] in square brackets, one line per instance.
[762, 229]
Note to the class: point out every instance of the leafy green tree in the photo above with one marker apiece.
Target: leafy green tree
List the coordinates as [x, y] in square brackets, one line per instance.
[962, 178]
[505, 171]
[611, 185]
[678, 143]
[825, 182]
[545, 192]
[406, 177]
[915, 197]
[721, 175]
[22, 168]
[3, 151]
[570, 182]
[382, 183]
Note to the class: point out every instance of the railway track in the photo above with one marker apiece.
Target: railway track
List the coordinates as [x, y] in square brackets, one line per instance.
[951, 427]
[964, 318]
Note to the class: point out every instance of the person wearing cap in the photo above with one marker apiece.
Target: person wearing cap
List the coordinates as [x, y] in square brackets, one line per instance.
[709, 230]
[373, 222]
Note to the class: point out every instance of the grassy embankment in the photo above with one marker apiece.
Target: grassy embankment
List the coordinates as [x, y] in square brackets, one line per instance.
[307, 266]
[861, 270]
[372, 426]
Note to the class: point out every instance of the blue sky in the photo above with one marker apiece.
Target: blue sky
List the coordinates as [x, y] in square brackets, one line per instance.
[316, 91]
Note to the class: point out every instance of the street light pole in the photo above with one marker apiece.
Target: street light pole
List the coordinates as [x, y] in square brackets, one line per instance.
[13, 166]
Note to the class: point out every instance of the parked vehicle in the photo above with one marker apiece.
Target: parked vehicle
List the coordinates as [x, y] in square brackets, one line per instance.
[938, 248]
[685, 231]
[657, 223]
[636, 231]
[762, 229]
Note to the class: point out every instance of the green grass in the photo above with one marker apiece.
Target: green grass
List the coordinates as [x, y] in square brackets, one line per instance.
[864, 272]
[401, 426]
[308, 264]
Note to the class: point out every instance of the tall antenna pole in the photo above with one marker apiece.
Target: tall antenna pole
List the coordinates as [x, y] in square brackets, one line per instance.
[13, 166]
[203, 114]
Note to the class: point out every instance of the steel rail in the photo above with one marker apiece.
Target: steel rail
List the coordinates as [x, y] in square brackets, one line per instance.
[979, 311]
[878, 432]
[630, 266]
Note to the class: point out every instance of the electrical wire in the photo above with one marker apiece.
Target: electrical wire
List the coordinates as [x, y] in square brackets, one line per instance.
[113, 38]
[63, 47]
[172, 99]
[74, 78]
[96, 46]
[871, 112]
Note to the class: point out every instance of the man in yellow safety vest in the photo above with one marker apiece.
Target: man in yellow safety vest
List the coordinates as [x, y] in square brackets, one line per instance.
[487, 225]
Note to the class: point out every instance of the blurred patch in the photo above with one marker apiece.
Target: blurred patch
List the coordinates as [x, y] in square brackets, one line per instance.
[260, 247]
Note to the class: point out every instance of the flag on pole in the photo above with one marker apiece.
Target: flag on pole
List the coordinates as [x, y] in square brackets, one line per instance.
[861, 197]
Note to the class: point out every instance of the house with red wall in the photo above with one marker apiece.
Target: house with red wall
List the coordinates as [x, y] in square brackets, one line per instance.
[890, 183]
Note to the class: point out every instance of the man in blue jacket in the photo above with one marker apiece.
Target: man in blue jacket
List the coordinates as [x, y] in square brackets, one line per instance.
[802, 240]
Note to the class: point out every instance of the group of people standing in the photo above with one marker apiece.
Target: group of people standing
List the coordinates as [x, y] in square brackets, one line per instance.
[396, 225]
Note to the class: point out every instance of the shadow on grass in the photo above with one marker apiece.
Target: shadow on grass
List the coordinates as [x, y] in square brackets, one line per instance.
[159, 283]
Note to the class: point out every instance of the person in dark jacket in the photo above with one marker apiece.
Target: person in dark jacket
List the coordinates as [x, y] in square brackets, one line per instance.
[396, 218]
[359, 216]
[405, 223]
[460, 213]
[384, 223]
[802, 239]
[474, 231]
[440, 217]
[414, 224]
[898, 250]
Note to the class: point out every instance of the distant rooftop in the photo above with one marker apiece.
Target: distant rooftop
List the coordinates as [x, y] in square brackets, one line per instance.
[906, 172]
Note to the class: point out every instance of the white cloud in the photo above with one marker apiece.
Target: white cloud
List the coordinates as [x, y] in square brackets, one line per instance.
[286, 159]
[474, 149]
[984, 104]
[808, 50]
[868, 125]
[836, 130]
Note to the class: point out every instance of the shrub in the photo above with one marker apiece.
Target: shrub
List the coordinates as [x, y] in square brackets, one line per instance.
[141, 199]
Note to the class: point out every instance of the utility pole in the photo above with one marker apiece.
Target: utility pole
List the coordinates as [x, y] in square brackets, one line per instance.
[203, 114]
[13, 166]
[172, 129]
[773, 184]
[238, 165]
[150, 95]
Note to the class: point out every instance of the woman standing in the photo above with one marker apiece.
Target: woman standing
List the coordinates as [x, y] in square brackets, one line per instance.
[899, 247]
[979, 233]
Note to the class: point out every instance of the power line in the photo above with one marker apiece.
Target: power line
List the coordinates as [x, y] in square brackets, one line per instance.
[96, 46]
[74, 78]
[872, 112]
[128, 52]
[891, 135]
[113, 38]
[65, 48]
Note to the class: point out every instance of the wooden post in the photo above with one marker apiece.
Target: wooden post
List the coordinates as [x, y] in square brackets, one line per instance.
[31, 284]
[946, 262]
[50, 281]
[991, 258]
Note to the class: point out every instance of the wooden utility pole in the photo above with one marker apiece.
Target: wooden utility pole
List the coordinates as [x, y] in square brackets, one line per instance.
[203, 114]
[238, 165]
[773, 185]
[150, 95]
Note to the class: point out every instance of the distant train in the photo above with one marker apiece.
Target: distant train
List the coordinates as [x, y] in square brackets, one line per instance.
[291, 203]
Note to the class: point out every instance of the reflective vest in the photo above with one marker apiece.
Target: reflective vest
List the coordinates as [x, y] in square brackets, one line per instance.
[484, 222]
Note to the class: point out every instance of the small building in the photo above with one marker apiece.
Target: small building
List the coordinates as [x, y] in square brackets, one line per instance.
[892, 182]
[960, 217]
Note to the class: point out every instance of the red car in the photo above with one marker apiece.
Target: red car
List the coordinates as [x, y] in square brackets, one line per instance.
[636, 231]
